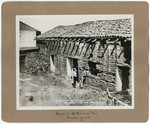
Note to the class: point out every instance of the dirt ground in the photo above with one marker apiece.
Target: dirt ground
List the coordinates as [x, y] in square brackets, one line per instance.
[53, 90]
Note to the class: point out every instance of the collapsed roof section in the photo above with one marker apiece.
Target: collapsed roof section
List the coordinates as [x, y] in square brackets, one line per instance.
[119, 27]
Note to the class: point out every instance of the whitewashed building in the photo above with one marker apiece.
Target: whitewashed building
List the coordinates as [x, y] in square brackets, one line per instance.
[27, 42]
[27, 35]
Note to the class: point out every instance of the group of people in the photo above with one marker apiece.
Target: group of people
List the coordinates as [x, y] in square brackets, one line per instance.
[85, 72]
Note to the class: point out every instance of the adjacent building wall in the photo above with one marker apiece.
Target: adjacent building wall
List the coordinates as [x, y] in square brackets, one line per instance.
[28, 49]
[27, 35]
[27, 39]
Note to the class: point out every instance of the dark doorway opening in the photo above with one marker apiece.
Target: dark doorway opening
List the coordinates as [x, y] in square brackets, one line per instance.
[92, 68]
[124, 75]
[75, 65]
[52, 58]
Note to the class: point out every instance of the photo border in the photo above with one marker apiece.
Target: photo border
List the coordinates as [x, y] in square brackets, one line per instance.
[141, 24]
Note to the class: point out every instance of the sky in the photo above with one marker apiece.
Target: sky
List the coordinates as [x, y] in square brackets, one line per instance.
[44, 23]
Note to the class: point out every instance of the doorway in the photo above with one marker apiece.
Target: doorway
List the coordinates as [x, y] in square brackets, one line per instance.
[71, 64]
[52, 63]
[122, 78]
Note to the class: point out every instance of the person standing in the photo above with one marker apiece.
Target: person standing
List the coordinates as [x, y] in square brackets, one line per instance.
[83, 77]
[74, 78]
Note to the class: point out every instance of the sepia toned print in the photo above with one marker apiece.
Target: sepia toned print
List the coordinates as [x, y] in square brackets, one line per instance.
[80, 65]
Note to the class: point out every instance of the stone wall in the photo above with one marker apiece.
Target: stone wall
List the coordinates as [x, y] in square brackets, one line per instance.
[34, 62]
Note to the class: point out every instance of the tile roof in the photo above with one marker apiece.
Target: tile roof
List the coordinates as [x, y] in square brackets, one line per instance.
[118, 27]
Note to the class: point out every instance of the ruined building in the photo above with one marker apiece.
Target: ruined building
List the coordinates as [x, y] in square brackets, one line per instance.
[102, 47]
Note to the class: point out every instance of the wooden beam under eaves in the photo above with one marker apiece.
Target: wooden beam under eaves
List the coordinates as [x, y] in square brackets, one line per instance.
[61, 48]
[121, 53]
[91, 54]
[90, 44]
[51, 47]
[113, 50]
[70, 44]
[59, 45]
[104, 50]
[115, 46]
[93, 48]
[79, 45]
[100, 45]
[54, 44]
[87, 49]
[84, 46]
[73, 46]
[67, 42]
[65, 46]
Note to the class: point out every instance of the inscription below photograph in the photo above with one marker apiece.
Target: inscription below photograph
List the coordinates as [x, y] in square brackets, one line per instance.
[74, 61]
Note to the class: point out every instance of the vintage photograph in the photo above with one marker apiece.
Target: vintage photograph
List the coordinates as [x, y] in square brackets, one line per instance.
[75, 61]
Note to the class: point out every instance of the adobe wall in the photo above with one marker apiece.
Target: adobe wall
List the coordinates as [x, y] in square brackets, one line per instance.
[106, 59]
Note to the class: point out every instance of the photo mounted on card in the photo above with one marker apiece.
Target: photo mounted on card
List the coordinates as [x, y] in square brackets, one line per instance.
[72, 65]
[74, 61]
